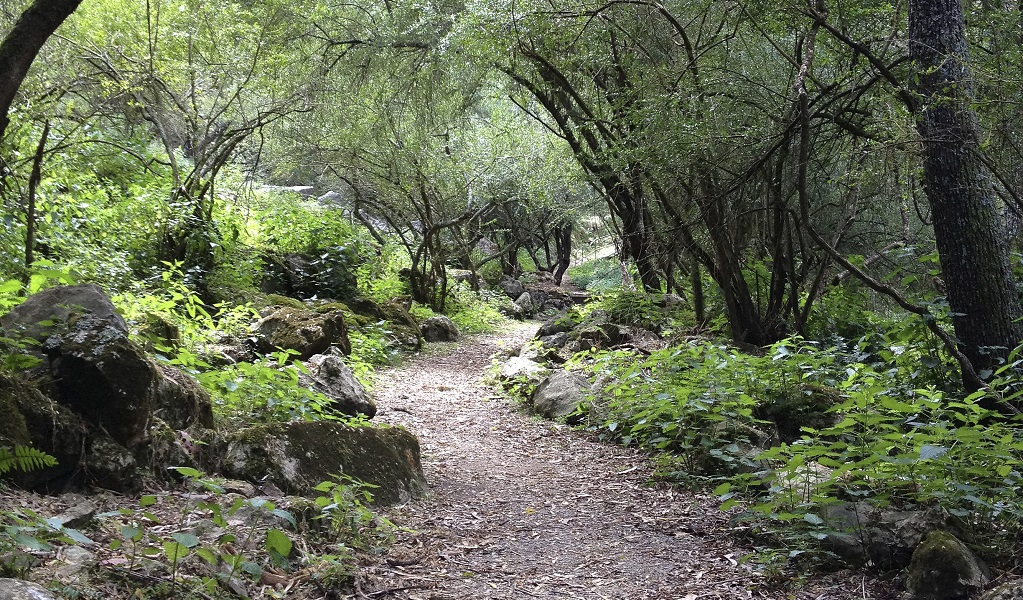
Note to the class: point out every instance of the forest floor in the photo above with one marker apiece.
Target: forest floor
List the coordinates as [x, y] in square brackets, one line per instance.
[524, 508]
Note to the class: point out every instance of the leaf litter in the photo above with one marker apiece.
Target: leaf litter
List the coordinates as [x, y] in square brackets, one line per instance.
[523, 508]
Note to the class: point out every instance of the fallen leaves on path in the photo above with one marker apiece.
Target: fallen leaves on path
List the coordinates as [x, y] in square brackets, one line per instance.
[524, 508]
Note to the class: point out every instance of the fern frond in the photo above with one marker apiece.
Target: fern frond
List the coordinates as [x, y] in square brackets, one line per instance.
[24, 458]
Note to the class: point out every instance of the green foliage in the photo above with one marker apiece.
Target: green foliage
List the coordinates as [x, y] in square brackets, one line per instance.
[267, 390]
[630, 308]
[600, 275]
[23, 532]
[24, 458]
[372, 346]
[475, 312]
[232, 550]
[344, 509]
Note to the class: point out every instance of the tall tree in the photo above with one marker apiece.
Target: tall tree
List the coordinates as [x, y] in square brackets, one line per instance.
[968, 228]
[23, 42]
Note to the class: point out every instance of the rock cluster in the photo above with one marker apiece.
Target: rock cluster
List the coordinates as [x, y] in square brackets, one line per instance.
[111, 415]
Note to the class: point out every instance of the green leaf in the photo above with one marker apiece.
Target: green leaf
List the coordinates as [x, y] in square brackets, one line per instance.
[147, 500]
[186, 539]
[722, 489]
[31, 542]
[928, 451]
[252, 569]
[278, 541]
[188, 472]
[77, 536]
[174, 551]
[287, 516]
[131, 533]
[207, 555]
[813, 519]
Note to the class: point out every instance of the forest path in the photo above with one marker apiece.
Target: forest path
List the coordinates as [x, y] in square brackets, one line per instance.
[521, 508]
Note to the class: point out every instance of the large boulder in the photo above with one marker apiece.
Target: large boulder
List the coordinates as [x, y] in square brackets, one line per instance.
[85, 453]
[99, 392]
[329, 375]
[439, 329]
[518, 367]
[304, 276]
[561, 395]
[512, 288]
[561, 323]
[402, 326]
[944, 568]
[299, 455]
[307, 332]
[525, 302]
[860, 533]
[105, 377]
[16, 589]
[49, 311]
[180, 401]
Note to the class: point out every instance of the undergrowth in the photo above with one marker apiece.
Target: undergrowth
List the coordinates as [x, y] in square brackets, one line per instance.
[787, 434]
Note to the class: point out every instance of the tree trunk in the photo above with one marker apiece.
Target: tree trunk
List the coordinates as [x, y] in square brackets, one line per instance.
[23, 42]
[968, 230]
[563, 247]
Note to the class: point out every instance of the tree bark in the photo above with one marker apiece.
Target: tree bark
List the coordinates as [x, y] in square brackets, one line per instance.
[968, 229]
[23, 42]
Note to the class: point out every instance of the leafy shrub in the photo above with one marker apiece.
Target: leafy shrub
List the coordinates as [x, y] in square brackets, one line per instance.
[267, 390]
[600, 275]
[698, 402]
[474, 312]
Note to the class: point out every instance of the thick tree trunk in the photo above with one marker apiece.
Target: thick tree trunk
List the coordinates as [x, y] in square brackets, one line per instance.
[970, 236]
[23, 42]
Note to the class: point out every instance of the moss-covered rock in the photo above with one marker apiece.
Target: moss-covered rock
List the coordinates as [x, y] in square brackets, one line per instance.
[305, 331]
[944, 568]
[13, 429]
[297, 456]
[180, 401]
[402, 325]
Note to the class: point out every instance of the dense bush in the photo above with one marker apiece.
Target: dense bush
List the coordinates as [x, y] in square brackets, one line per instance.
[600, 275]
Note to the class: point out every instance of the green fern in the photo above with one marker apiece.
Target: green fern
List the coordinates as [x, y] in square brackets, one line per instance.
[23, 458]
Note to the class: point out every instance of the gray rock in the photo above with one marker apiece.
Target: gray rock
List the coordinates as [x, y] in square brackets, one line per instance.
[439, 329]
[329, 375]
[861, 533]
[559, 324]
[525, 302]
[74, 560]
[554, 341]
[81, 511]
[16, 589]
[513, 288]
[305, 331]
[944, 568]
[180, 401]
[518, 367]
[298, 456]
[561, 395]
[103, 376]
[1012, 590]
[51, 310]
[112, 466]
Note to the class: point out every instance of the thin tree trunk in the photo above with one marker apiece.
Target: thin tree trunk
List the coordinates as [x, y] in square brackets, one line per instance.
[30, 210]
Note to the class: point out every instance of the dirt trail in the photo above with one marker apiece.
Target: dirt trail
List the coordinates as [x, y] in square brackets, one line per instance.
[521, 508]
